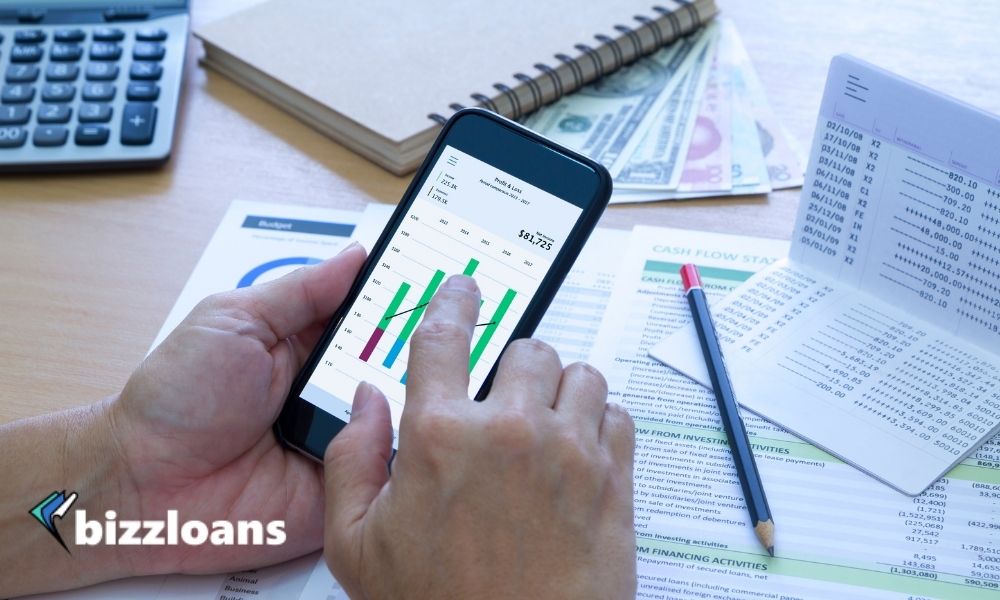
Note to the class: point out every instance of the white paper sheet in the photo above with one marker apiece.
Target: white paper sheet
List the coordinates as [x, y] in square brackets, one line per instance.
[878, 339]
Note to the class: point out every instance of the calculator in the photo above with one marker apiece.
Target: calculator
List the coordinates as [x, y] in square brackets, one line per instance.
[89, 85]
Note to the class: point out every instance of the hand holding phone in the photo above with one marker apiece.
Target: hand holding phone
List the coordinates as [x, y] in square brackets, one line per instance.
[493, 201]
[526, 494]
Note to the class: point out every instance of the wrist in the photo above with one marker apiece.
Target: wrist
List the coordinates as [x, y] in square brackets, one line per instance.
[69, 452]
[94, 462]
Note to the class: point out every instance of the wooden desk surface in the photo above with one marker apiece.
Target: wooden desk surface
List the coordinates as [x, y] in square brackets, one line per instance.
[91, 264]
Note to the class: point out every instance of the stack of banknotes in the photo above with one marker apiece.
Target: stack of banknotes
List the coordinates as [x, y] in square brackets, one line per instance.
[688, 121]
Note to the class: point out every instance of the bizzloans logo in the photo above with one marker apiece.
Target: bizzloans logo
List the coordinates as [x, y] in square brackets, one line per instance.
[55, 506]
[152, 532]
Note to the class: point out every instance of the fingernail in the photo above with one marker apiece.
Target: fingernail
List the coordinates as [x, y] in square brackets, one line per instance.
[349, 247]
[461, 282]
[361, 397]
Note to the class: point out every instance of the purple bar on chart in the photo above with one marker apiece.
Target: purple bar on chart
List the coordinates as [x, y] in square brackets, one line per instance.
[390, 312]
[372, 342]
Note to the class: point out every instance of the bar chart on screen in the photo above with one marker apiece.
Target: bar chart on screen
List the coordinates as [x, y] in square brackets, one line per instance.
[430, 245]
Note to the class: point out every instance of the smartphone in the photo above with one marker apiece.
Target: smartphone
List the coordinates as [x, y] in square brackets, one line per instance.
[492, 200]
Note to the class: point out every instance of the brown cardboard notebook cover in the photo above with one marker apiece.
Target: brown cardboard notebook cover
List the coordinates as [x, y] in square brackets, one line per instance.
[378, 76]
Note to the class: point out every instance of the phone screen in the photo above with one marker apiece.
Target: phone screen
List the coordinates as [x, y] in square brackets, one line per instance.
[468, 217]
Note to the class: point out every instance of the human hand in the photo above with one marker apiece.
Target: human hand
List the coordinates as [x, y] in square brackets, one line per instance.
[527, 494]
[193, 424]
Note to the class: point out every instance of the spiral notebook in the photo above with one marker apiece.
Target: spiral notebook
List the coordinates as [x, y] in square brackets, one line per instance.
[380, 77]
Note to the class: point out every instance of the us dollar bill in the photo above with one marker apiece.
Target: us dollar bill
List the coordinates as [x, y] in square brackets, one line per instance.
[600, 119]
[655, 159]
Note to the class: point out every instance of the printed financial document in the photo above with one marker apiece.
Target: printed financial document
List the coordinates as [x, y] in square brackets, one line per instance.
[839, 533]
[878, 339]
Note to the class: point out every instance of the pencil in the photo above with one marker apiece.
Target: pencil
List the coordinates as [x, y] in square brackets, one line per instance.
[739, 443]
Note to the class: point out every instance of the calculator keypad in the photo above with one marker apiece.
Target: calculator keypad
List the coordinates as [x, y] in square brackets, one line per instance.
[96, 88]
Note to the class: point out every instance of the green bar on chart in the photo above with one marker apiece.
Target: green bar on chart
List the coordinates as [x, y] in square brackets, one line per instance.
[494, 322]
[411, 323]
[390, 312]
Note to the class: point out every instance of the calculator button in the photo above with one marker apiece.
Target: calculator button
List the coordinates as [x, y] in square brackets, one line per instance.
[105, 51]
[14, 115]
[58, 92]
[95, 113]
[102, 71]
[148, 51]
[142, 91]
[29, 36]
[61, 72]
[30, 15]
[54, 113]
[17, 93]
[138, 123]
[65, 52]
[98, 92]
[26, 54]
[108, 34]
[91, 135]
[150, 34]
[145, 71]
[12, 137]
[22, 73]
[49, 136]
[69, 35]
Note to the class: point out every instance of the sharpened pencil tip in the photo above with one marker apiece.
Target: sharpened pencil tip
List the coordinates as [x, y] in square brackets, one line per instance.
[765, 533]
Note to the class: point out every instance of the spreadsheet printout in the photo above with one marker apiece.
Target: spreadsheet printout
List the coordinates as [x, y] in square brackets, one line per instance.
[694, 534]
[877, 338]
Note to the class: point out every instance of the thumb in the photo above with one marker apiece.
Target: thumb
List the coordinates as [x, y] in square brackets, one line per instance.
[356, 469]
[289, 304]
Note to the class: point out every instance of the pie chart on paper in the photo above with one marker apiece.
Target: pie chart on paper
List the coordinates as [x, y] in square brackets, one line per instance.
[274, 269]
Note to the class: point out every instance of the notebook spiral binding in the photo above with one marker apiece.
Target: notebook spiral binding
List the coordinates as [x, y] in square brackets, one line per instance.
[512, 103]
